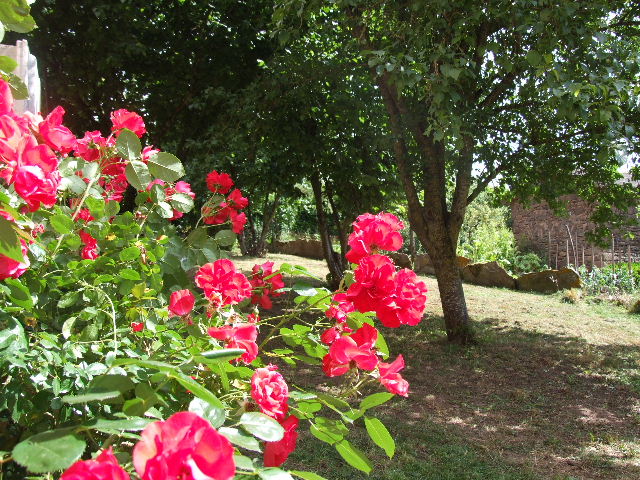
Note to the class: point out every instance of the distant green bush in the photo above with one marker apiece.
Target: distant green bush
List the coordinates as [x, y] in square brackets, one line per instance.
[486, 236]
[611, 279]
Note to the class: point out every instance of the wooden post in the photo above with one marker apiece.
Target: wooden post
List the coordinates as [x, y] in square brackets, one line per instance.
[567, 254]
[613, 253]
[593, 257]
[583, 255]
[549, 247]
[557, 249]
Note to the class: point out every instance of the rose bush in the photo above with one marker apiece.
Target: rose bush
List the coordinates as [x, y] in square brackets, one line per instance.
[121, 336]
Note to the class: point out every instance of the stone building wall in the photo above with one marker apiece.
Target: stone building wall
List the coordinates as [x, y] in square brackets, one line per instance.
[537, 228]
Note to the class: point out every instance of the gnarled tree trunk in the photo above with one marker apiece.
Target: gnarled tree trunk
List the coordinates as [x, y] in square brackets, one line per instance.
[335, 268]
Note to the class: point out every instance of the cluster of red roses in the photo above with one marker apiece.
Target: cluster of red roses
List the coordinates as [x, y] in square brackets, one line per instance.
[271, 393]
[266, 284]
[396, 297]
[228, 210]
[185, 446]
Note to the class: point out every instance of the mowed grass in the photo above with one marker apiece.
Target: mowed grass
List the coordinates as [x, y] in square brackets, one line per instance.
[551, 391]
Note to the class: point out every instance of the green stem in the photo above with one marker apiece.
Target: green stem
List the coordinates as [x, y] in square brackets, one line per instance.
[290, 317]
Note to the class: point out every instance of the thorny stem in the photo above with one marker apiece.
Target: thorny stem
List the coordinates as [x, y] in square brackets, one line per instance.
[113, 315]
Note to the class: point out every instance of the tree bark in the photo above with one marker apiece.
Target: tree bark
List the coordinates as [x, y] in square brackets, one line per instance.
[335, 270]
[434, 226]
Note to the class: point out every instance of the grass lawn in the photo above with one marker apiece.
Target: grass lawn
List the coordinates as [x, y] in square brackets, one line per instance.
[551, 391]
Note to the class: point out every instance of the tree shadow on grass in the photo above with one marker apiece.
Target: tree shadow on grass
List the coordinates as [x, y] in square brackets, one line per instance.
[556, 404]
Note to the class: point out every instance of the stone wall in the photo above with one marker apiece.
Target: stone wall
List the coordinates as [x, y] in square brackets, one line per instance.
[301, 248]
[552, 237]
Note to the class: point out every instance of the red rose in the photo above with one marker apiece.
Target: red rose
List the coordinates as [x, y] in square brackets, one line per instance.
[276, 453]
[125, 119]
[353, 350]
[236, 200]
[137, 326]
[219, 182]
[243, 335]
[6, 98]
[270, 392]
[104, 467]
[181, 302]
[391, 379]
[184, 447]
[372, 233]
[408, 301]
[222, 283]
[374, 284]
[265, 284]
[90, 250]
[238, 221]
[88, 147]
[56, 135]
[33, 170]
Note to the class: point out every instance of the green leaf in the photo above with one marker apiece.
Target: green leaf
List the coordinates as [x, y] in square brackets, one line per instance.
[328, 431]
[224, 355]
[243, 463]
[9, 242]
[67, 326]
[225, 238]
[274, 474]
[450, 71]
[215, 415]
[166, 166]
[14, 14]
[182, 202]
[7, 64]
[197, 389]
[164, 209]
[307, 475]
[375, 399]
[353, 456]
[172, 372]
[50, 451]
[111, 209]
[18, 87]
[333, 401]
[138, 175]
[240, 439]
[104, 388]
[13, 337]
[262, 426]
[129, 254]
[134, 407]
[134, 424]
[380, 435]
[534, 58]
[304, 289]
[130, 274]
[19, 294]
[62, 224]
[129, 146]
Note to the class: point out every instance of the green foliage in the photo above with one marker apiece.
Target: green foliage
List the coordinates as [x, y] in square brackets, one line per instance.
[486, 236]
[611, 279]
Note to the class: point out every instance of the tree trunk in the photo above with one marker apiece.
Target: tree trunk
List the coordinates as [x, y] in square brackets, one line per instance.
[267, 220]
[454, 306]
[434, 226]
[335, 271]
[342, 234]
